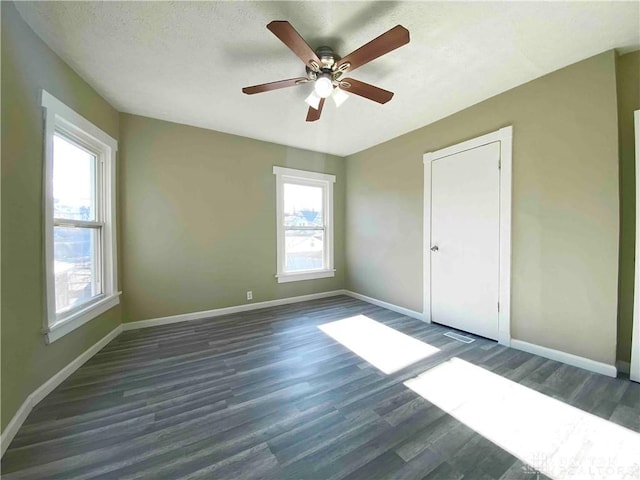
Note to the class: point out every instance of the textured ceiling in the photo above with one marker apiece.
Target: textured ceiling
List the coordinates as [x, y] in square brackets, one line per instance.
[186, 62]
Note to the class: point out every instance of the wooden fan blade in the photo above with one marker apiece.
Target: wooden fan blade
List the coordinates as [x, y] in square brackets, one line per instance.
[366, 90]
[266, 87]
[385, 43]
[292, 39]
[313, 114]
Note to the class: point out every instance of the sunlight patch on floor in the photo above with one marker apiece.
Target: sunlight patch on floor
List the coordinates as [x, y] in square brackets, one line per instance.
[383, 347]
[556, 439]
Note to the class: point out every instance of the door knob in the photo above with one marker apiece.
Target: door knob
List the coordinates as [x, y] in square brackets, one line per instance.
[435, 248]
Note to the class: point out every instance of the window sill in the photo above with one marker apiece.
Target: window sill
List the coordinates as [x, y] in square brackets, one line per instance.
[296, 277]
[79, 318]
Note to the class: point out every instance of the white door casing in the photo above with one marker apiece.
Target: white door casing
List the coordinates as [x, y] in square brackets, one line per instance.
[465, 221]
[502, 140]
[634, 368]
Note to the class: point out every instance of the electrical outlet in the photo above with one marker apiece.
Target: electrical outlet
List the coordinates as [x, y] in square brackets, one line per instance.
[249, 295]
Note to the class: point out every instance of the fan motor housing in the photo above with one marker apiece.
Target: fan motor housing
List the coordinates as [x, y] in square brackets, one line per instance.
[327, 56]
[329, 60]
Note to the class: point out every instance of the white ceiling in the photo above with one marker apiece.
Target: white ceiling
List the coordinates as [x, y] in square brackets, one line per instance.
[186, 62]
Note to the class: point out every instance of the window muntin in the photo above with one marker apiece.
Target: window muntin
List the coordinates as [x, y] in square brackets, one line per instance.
[304, 224]
[79, 212]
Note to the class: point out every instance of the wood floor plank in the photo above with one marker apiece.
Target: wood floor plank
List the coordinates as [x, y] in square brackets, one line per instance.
[419, 466]
[266, 394]
[382, 467]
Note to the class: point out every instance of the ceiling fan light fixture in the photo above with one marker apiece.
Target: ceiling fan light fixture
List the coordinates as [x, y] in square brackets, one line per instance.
[323, 86]
[339, 97]
[325, 69]
[313, 100]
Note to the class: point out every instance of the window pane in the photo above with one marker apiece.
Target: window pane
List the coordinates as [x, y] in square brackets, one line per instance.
[75, 265]
[303, 250]
[73, 181]
[302, 205]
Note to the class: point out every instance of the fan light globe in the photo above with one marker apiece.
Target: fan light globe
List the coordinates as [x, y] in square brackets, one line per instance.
[313, 100]
[323, 86]
[339, 97]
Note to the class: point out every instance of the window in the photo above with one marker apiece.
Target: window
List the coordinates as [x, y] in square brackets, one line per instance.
[305, 224]
[80, 238]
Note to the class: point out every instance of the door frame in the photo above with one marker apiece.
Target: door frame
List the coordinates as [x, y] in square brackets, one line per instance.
[634, 367]
[505, 137]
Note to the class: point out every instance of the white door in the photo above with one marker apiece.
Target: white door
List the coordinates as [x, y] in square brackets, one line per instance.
[465, 235]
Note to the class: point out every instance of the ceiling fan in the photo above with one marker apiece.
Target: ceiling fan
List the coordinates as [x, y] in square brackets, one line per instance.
[325, 68]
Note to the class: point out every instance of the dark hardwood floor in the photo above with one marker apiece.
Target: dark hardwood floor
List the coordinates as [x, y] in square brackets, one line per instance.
[266, 394]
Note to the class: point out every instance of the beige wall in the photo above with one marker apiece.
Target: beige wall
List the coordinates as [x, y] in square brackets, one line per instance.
[565, 207]
[198, 215]
[28, 65]
[628, 82]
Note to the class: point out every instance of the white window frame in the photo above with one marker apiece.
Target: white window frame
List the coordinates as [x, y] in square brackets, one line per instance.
[58, 118]
[314, 179]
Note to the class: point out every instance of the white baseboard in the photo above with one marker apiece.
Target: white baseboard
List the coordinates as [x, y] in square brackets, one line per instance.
[388, 306]
[568, 358]
[185, 317]
[47, 387]
[14, 424]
